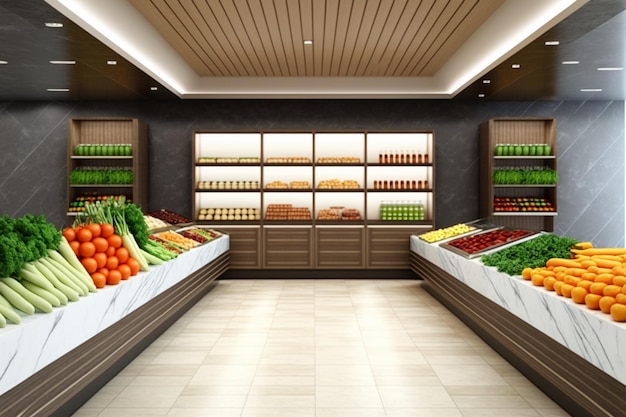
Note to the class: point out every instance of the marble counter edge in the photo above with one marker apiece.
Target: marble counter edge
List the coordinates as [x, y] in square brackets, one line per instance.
[42, 338]
[592, 335]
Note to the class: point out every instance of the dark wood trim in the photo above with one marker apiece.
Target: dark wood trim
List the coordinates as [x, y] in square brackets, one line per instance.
[62, 387]
[319, 274]
[578, 386]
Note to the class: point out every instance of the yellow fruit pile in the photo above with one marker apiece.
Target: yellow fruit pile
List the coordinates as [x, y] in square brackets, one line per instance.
[595, 277]
[445, 233]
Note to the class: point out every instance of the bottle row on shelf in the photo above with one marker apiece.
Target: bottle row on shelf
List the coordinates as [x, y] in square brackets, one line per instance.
[392, 158]
[402, 157]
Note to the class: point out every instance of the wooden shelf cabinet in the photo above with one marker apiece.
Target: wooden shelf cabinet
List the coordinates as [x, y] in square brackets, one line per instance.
[519, 137]
[124, 145]
[263, 170]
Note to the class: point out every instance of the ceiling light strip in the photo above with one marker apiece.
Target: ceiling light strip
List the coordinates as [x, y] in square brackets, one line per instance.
[63, 62]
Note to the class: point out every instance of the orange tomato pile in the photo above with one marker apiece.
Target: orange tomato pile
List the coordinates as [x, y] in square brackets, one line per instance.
[595, 277]
[101, 252]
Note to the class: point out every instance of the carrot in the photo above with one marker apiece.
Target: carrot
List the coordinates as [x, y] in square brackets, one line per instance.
[589, 276]
[568, 263]
[605, 278]
[600, 251]
[571, 280]
[619, 280]
[587, 263]
[577, 272]
[537, 279]
[607, 263]
[583, 245]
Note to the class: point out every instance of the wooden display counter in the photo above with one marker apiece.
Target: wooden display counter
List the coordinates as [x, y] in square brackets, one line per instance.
[575, 355]
[52, 363]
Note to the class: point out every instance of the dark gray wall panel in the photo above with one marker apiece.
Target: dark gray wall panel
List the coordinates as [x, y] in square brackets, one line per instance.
[590, 143]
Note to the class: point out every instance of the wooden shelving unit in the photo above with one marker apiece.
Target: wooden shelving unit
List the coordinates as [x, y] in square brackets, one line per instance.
[517, 132]
[114, 133]
[317, 157]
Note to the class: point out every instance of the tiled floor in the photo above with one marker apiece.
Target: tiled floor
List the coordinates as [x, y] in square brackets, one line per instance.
[323, 348]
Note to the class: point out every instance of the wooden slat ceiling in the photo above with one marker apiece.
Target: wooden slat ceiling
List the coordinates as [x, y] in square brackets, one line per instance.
[351, 38]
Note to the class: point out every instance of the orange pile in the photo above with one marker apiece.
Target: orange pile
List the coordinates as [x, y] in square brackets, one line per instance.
[102, 253]
[595, 277]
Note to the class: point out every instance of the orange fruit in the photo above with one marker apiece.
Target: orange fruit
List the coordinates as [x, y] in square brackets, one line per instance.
[618, 312]
[112, 262]
[100, 258]
[620, 298]
[90, 264]
[537, 279]
[619, 280]
[597, 288]
[98, 279]
[124, 270]
[115, 241]
[69, 233]
[548, 283]
[566, 290]
[101, 244]
[114, 277]
[579, 294]
[611, 290]
[122, 254]
[585, 284]
[593, 301]
[134, 266]
[95, 229]
[84, 235]
[606, 302]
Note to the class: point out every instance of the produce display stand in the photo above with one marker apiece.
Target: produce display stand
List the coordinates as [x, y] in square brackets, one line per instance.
[385, 166]
[52, 363]
[573, 354]
[518, 133]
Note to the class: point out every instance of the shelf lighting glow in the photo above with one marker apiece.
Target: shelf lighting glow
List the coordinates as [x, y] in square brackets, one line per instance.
[610, 69]
[570, 62]
[111, 62]
[308, 42]
[4, 62]
[54, 25]
[515, 66]
[57, 90]
[590, 90]
[551, 43]
[63, 62]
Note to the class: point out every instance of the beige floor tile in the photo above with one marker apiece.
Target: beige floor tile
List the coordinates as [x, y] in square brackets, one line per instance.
[415, 397]
[204, 412]
[468, 375]
[347, 397]
[319, 348]
[146, 397]
[134, 412]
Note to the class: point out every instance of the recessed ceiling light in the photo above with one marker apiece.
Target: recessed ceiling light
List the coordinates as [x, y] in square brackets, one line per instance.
[551, 43]
[308, 42]
[4, 62]
[57, 90]
[570, 62]
[515, 66]
[154, 88]
[111, 62]
[590, 90]
[54, 25]
[610, 69]
[63, 62]
[486, 81]
[481, 95]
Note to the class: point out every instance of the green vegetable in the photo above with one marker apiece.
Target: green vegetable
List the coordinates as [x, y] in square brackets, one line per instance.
[136, 224]
[532, 253]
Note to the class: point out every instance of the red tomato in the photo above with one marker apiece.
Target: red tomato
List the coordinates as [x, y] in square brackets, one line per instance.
[69, 233]
[95, 229]
[90, 264]
[84, 235]
[122, 254]
[124, 270]
[98, 279]
[86, 249]
[115, 241]
[106, 230]
[112, 262]
[114, 277]
[101, 244]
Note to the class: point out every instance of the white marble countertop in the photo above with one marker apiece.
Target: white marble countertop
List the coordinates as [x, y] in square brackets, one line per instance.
[591, 334]
[43, 338]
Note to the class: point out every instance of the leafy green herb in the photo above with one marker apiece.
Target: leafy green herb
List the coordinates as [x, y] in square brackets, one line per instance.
[532, 253]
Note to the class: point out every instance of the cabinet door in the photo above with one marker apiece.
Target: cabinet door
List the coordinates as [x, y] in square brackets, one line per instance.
[288, 247]
[245, 247]
[340, 247]
[388, 247]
